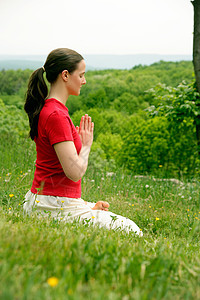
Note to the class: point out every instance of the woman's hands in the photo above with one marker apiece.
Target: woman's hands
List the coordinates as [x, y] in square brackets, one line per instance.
[86, 130]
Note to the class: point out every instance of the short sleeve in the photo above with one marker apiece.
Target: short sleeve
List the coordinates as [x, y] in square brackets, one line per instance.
[58, 128]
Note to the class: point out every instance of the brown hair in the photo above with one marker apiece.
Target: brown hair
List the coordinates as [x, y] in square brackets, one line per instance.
[58, 60]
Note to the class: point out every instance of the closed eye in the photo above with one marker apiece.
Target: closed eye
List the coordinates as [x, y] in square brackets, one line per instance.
[82, 74]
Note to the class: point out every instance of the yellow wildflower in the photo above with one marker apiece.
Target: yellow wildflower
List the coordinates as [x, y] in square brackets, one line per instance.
[132, 204]
[157, 219]
[63, 201]
[37, 201]
[61, 208]
[149, 206]
[9, 207]
[160, 166]
[93, 217]
[11, 195]
[52, 281]
[69, 292]
[164, 238]
[188, 209]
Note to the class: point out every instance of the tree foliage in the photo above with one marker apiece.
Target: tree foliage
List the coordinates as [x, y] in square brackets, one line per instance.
[181, 106]
[176, 103]
[147, 132]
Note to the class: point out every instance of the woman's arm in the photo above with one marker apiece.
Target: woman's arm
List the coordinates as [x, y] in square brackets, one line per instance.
[75, 165]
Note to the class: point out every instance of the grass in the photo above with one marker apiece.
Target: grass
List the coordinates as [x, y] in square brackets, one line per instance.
[93, 263]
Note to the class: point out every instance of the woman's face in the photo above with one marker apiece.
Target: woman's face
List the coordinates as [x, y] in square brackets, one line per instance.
[76, 79]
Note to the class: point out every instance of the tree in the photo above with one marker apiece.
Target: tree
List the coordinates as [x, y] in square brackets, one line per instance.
[196, 57]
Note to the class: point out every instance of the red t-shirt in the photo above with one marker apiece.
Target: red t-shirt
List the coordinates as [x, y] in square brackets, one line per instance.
[54, 126]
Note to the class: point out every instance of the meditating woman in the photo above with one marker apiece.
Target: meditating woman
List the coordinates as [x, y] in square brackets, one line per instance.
[62, 149]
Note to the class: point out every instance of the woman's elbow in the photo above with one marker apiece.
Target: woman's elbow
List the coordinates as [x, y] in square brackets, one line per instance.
[74, 176]
[76, 179]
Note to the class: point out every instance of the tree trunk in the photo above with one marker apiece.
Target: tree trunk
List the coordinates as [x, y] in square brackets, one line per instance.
[196, 59]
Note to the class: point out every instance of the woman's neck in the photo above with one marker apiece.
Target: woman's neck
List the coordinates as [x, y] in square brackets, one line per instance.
[58, 92]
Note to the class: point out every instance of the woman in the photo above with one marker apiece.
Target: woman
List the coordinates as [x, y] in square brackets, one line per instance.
[62, 149]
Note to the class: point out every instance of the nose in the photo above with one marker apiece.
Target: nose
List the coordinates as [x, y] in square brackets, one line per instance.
[84, 81]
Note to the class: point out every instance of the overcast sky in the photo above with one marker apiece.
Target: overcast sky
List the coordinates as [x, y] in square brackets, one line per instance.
[96, 26]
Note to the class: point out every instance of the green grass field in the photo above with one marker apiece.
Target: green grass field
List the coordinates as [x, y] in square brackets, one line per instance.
[45, 259]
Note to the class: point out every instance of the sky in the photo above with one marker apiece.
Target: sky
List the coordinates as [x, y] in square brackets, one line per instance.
[34, 27]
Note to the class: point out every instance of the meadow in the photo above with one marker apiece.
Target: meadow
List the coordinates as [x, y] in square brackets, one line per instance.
[46, 259]
[144, 162]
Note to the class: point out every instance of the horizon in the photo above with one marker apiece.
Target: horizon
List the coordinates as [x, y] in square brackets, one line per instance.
[93, 61]
[110, 54]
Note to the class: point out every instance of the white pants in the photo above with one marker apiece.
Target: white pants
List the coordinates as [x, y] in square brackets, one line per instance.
[68, 209]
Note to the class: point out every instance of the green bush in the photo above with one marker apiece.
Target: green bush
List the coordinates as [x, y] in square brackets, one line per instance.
[154, 144]
[16, 100]
[111, 145]
[13, 122]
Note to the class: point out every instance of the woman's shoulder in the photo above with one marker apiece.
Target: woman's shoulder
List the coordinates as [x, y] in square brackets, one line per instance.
[53, 108]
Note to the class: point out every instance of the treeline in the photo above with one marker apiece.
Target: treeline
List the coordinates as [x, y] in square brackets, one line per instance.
[106, 89]
[132, 128]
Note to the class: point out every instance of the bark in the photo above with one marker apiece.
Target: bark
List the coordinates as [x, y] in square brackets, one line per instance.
[196, 58]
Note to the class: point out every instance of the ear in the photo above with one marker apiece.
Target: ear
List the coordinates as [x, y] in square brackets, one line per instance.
[65, 75]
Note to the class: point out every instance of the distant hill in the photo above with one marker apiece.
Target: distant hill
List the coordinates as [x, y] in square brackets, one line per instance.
[93, 61]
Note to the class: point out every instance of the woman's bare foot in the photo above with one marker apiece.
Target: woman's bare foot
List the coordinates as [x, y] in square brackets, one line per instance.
[101, 205]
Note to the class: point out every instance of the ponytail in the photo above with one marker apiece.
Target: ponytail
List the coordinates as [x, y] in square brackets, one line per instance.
[35, 96]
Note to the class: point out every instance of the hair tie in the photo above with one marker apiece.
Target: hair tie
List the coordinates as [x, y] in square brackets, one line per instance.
[43, 68]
